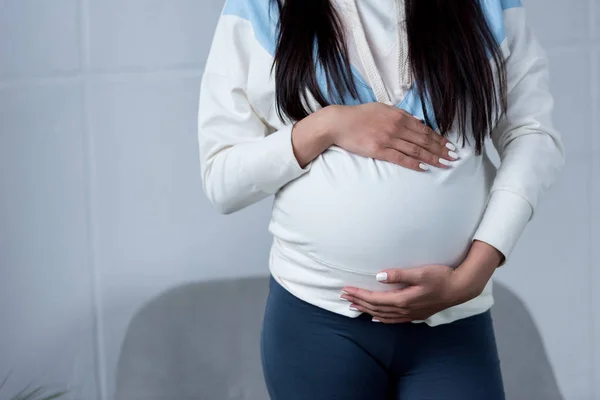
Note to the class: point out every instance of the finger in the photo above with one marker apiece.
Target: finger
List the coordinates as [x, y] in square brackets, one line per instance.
[371, 308]
[427, 130]
[396, 157]
[418, 134]
[443, 142]
[378, 315]
[416, 137]
[391, 321]
[374, 298]
[400, 307]
[418, 125]
[439, 138]
[398, 301]
[439, 144]
[409, 276]
[418, 152]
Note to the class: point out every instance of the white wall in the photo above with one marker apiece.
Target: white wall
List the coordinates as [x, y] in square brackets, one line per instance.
[101, 205]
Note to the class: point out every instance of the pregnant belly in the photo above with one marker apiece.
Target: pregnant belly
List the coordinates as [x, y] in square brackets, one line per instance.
[364, 215]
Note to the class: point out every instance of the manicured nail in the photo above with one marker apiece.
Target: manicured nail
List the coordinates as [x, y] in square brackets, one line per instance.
[343, 299]
[445, 162]
[381, 277]
[375, 320]
[424, 167]
[453, 155]
[353, 308]
[450, 146]
[344, 292]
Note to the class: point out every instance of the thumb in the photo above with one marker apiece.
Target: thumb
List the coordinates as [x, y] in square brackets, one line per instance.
[407, 276]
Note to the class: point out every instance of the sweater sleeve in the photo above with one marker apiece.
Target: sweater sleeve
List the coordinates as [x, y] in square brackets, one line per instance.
[242, 159]
[531, 151]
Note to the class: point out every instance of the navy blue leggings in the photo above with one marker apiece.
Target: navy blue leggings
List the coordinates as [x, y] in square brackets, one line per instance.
[309, 353]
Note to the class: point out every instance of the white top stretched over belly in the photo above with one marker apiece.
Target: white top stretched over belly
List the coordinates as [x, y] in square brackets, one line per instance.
[366, 215]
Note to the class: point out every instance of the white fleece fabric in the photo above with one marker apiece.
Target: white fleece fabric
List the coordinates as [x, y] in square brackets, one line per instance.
[344, 218]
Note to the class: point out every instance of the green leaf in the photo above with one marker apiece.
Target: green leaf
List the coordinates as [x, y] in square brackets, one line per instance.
[4, 381]
[54, 396]
[29, 393]
[25, 395]
[19, 396]
[37, 394]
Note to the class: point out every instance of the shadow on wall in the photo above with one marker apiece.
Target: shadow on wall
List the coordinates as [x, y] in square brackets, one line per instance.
[201, 341]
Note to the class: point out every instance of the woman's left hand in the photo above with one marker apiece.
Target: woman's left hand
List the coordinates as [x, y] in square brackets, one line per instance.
[429, 290]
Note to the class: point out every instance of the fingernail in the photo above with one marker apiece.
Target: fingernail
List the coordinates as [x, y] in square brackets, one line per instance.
[343, 299]
[450, 146]
[375, 320]
[453, 155]
[344, 292]
[424, 167]
[381, 277]
[353, 308]
[445, 162]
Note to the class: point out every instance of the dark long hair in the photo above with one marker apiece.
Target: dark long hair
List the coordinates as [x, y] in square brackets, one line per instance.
[455, 60]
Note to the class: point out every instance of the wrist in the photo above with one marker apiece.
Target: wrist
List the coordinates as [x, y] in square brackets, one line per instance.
[313, 135]
[475, 271]
[466, 285]
[330, 118]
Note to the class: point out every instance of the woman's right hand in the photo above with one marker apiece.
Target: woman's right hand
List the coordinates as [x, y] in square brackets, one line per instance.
[388, 133]
[372, 130]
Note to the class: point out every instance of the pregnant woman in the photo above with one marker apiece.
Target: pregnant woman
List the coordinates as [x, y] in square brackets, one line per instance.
[369, 121]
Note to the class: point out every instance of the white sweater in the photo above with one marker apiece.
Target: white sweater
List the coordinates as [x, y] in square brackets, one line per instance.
[344, 218]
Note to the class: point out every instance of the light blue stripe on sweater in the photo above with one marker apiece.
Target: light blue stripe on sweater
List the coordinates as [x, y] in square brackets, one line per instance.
[263, 16]
[506, 4]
